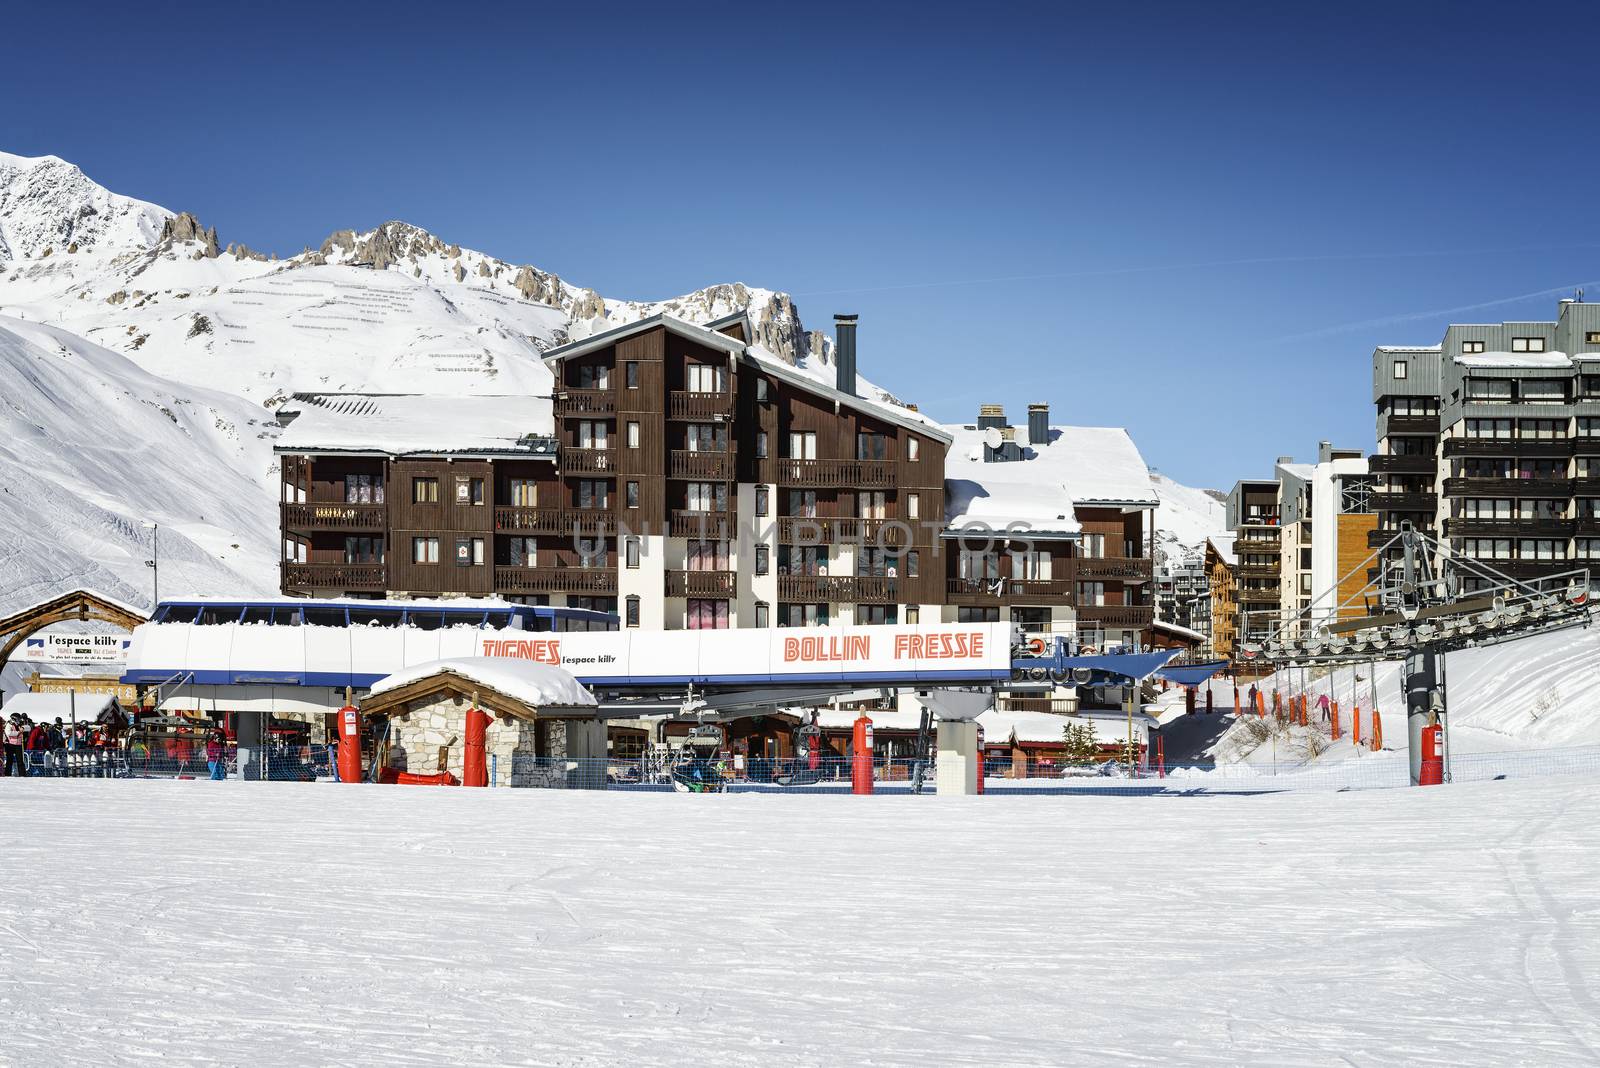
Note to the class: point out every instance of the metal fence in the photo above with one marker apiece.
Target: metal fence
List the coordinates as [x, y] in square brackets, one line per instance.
[179, 760]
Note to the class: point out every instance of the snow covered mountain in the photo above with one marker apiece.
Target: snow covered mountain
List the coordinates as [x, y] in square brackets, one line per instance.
[1185, 519]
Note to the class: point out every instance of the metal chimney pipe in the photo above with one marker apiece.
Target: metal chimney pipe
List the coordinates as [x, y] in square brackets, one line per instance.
[844, 353]
[1038, 424]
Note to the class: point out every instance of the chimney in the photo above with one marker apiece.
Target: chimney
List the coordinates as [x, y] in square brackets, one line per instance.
[844, 353]
[1324, 451]
[991, 416]
[1038, 424]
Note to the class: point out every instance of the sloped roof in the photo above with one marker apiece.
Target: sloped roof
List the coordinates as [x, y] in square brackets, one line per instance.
[418, 424]
[682, 327]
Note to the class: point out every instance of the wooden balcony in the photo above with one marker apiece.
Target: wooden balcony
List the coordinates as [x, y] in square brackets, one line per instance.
[1586, 527]
[1256, 570]
[363, 577]
[1506, 447]
[1507, 528]
[702, 466]
[1129, 616]
[868, 474]
[590, 580]
[585, 402]
[828, 530]
[1481, 486]
[1586, 487]
[335, 516]
[1401, 501]
[1402, 465]
[564, 522]
[1058, 705]
[1586, 444]
[699, 407]
[997, 591]
[720, 584]
[587, 461]
[1113, 569]
[715, 526]
[1256, 545]
[838, 589]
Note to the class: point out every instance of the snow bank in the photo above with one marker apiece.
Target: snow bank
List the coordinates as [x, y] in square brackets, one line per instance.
[532, 683]
[40, 707]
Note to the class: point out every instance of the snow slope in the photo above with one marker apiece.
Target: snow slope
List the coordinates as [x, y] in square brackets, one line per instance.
[1185, 518]
[327, 924]
[91, 446]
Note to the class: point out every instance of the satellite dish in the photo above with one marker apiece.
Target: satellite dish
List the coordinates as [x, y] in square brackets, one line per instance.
[993, 438]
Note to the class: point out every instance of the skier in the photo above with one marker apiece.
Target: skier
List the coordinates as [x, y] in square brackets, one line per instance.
[56, 738]
[1322, 703]
[14, 737]
[38, 749]
[1252, 704]
[216, 756]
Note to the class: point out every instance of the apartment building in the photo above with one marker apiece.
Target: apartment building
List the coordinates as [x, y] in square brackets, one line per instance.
[1515, 468]
[1327, 517]
[1220, 622]
[1254, 514]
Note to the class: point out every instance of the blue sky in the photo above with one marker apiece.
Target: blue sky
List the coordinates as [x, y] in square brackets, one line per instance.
[1193, 221]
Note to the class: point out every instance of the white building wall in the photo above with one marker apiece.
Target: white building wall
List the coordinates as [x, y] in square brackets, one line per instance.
[647, 581]
[1325, 534]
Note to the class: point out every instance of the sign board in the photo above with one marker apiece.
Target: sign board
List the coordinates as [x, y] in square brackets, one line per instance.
[76, 648]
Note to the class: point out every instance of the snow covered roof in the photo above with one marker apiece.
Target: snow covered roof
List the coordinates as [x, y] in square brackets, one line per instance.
[1223, 544]
[41, 707]
[1179, 631]
[807, 378]
[1079, 465]
[678, 326]
[1050, 727]
[418, 424]
[842, 719]
[1409, 348]
[532, 683]
[1543, 360]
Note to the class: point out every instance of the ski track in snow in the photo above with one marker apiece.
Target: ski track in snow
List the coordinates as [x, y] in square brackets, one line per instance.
[287, 923]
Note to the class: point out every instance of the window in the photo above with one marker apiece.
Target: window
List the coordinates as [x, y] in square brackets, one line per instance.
[763, 615]
[761, 445]
[913, 506]
[913, 614]
[913, 449]
[1484, 428]
[873, 615]
[802, 615]
[876, 563]
[1489, 390]
[1587, 548]
[1472, 346]
[363, 489]
[592, 377]
[872, 504]
[469, 552]
[707, 437]
[762, 495]
[1540, 508]
[706, 614]
[1031, 565]
[1092, 593]
[592, 435]
[363, 550]
[1399, 368]
[1527, 344]
[632, 495]
[706, 378]
[1092, 546]
[708, 556]
[802, 504]
[592, 554]
[913, 564]
[633, 435]
[802, 560]
[630, 374]
[1485, 508]
[631, 552]
[469, 490]
[977, 615]
[1487, 548]
[707, 497]
[763, 560]
[425, 491]
[1544, 391]
[1541, 429]
[593, 493]
[1588, 426]
[871, 446]
[1591, 337]
[761, 391]
[424, 550]
[524, 493]
[1541, 549]
[632, 602]
[522, 552]
[802, 445]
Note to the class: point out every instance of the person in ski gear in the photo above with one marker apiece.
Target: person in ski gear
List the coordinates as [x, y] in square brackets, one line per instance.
[15, 735]
[216, 756]
[56, 738]
[1322, 703]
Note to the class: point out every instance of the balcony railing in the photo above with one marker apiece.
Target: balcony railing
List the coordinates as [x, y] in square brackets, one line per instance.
[332, 516]
[1469, 527]
[332, 576]
[1116, 615]
[845, 589]
[718, 526]
[711, 466]
[553, 521]
[1413, 424]
[1586, 526]
[1256, 545]
[682, 404]
[701, 583]
[1124, 569]
[1377, 539]
[587, 461]
[853, 473]
[1257, 570]
[822, 530]
[1586, 444]
[1506, 447]
[585, 402]
[1401, 465]
[601, 580]
[1586, 487]
[1482, 486]
[1391, 501]
[1059, 705]
[993, 591]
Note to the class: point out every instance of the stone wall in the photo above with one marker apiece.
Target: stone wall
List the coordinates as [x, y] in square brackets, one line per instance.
[417, 735]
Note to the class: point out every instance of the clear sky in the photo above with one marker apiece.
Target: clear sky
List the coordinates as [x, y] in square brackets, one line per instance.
[1195, 220]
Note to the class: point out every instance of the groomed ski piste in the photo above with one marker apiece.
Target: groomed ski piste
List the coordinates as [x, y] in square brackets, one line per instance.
[279, 923]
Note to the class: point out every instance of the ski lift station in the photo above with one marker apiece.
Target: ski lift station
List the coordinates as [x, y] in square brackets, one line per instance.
[303, 659]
